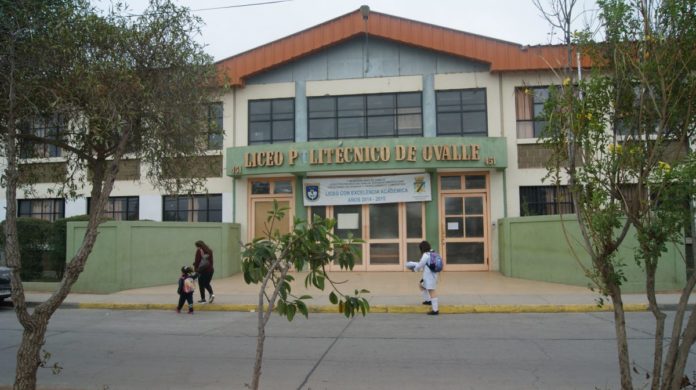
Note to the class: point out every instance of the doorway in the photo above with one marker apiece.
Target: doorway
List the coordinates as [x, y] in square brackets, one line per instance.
[391, 232]
[464, 232]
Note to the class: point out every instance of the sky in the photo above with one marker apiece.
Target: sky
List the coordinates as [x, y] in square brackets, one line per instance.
[234, 26]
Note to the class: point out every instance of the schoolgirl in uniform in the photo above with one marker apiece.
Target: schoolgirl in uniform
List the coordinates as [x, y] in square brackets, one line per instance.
[428, 283]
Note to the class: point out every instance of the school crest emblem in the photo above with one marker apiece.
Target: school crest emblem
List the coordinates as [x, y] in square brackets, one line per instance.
[312, 192]
[419, 184]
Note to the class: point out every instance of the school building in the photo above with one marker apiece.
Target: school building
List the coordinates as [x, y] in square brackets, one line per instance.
[400, 130]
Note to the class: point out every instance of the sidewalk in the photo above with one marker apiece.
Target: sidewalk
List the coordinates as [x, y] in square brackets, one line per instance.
[390, 292]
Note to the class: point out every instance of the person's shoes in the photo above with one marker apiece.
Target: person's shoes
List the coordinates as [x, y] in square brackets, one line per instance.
[191, 311]
[433, 313]
[178, 311]
[427, 303]
[202, 302]
[212, 298]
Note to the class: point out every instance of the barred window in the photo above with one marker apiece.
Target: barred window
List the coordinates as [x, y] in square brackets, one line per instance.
[365, 116]
[271, 121]
[193, 208]
[462, 112]
[529, 104]
[120, 208]
[46, 209]
[545, 200]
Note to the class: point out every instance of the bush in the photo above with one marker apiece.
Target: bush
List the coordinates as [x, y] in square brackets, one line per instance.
[34, 245]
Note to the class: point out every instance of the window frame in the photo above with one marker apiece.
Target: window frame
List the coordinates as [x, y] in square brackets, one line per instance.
[51, 216]
[112, 214]
[215, 126]
[272, 121]
[461, 111]
[526, 105]
[191, 210]
[548, 207]
[367, 114]
[42, 126]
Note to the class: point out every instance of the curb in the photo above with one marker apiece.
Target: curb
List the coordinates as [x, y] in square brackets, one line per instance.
[391, 309]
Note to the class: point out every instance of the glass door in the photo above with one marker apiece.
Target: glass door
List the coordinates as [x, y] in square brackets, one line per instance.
[391, 232]
[349, 223]
[464, 226]
[383, 249]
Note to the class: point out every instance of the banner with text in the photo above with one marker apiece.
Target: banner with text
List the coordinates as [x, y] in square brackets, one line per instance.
[366, 190]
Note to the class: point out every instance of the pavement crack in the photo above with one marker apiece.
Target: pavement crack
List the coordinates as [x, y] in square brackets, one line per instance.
[321, 358]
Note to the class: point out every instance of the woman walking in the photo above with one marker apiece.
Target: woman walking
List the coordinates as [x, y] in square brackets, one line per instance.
[203, 265]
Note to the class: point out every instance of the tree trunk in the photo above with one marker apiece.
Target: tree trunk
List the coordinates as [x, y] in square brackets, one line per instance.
[671, 360]
[621, 339]
[260, 339]
[29, 355]
[650, 269]
[265, 315]
[687, 342]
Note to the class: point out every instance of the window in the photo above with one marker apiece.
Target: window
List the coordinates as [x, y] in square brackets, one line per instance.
[545, 200]
[120, 208]
[462, 113]
[52, 128]
[530, 107]
[46, 209]
[365, 116]
[194, 208]
[215, 129]
[634, 114]
[271, 186]
[271, 121]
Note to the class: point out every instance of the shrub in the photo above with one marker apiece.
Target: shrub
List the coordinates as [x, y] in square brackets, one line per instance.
[34, 245]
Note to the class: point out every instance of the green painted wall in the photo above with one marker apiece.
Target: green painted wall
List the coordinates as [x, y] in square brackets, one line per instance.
[432, 217]
[300, 209]
[536, 248]
[138, 254]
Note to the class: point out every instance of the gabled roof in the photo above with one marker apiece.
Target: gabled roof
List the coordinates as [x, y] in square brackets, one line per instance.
[501, 55]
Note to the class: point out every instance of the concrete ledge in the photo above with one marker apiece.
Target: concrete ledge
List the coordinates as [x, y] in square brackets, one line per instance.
[395, 309]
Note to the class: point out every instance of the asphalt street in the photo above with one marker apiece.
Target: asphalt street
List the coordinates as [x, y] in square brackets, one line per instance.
[102, 349]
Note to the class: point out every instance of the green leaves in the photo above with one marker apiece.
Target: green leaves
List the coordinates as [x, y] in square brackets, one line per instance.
[333, 298]
[310, 247]
[290, 308]
[353, 305]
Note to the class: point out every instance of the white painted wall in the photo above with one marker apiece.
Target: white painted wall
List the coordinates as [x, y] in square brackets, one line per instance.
[519, 177]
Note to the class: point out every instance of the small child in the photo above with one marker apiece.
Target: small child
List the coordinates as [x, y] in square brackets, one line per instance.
[186, 289]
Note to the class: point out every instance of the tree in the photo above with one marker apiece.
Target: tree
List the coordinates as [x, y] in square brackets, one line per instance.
[622, 139]
[651, 46]
[124, 84]
[267, 261]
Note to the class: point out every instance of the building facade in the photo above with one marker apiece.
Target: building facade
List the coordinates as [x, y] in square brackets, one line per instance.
[401, 131]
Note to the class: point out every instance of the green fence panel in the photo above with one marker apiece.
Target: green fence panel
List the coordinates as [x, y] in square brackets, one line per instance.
[549, 248]
[137, 254]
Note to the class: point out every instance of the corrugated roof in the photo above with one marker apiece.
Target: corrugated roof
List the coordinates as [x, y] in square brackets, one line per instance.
[501, 55]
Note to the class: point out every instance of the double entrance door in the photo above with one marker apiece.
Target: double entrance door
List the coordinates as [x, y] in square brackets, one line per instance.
[391, 231]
